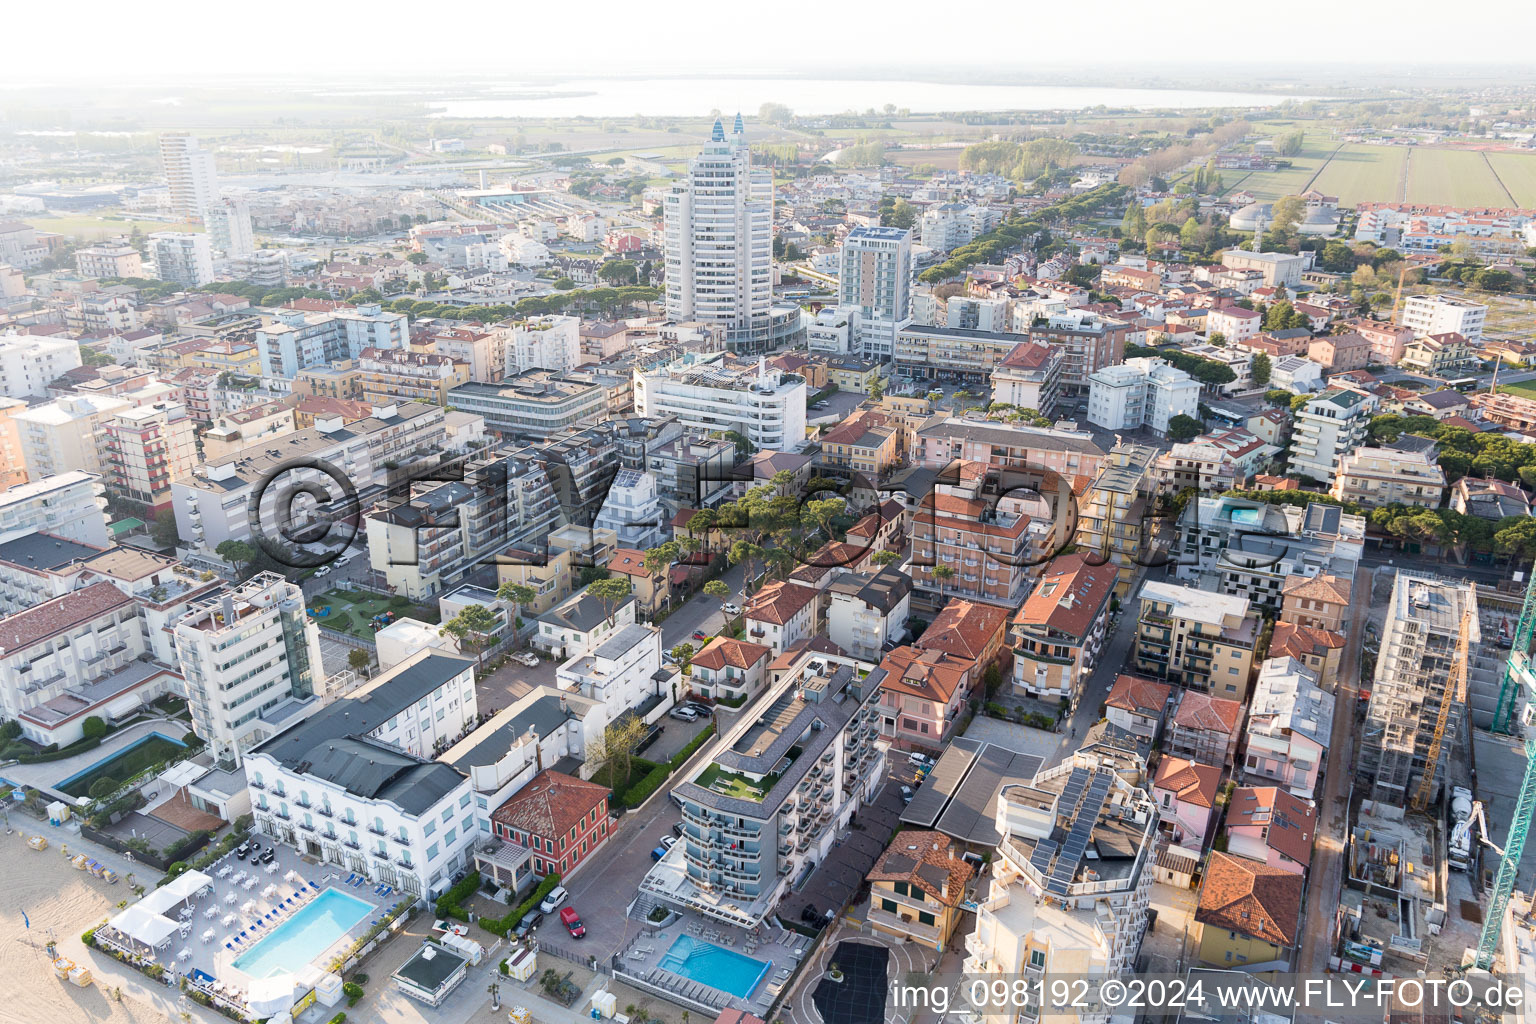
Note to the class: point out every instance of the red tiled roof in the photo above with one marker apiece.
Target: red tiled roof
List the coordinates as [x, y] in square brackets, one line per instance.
[1189, 781]
[551, 804]
[723, 651]
[24, 629]
[1203, 712]
[1301, 642]
[629, 561]
[911, 851]
[1070, 596]
[1322, 587]
[1027, 355]
[779, 602]
[1290, 826]
[964, 629]
[1133, 693]
[933, 675]
[1245, 896]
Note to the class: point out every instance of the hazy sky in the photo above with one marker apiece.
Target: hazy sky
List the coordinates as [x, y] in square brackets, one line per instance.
[156, 39]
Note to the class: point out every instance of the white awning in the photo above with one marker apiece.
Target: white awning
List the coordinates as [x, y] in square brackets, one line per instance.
[144, 926]
[177, 890]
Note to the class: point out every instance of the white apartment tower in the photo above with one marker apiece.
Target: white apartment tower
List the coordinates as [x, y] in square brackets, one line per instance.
[875, 277]
[189, 172]
[1443, 314]
[184, 257]
[229, 228]
[243, 653]
[719, 237]
[543, 343]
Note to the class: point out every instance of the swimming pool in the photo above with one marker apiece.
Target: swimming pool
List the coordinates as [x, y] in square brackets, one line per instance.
[295, 943]
[714, 966]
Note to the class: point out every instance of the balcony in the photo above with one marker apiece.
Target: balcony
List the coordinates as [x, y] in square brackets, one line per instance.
[376, 830]
[324, 812]
[402, 840]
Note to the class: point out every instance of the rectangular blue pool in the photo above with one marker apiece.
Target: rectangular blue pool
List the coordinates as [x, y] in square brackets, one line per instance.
[715, 966]
[294, 944]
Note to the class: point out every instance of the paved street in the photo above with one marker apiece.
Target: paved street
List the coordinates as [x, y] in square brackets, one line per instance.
[1112, 662]
[1323, 879]
[702, 613]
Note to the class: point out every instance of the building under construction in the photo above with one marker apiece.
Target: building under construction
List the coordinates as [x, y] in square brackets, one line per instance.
[1415, 715]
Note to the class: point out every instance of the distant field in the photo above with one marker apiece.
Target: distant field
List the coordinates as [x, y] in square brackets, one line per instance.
[1457, 177]
[1360, 173]
[943, 159]
[1270, 185]
[1518, 172]
[94, 228]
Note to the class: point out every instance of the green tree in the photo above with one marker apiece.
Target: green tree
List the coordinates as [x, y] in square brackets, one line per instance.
[683, 655]
[417, 258]
[163, 531]
[619, 272]
[517, 594]
[564, 284]
[473, 627]
[1260, 369]
[236, 553]
[1184, 428]
[1189, 233]
[358, 660]
[1286, 214]
[1134, 224]
[717, 588]
[610, 592]
[93, 728]
[748, 556]
[901, 214]
[884, 558]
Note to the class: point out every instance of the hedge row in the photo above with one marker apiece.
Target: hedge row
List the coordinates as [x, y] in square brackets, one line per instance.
[502, 925]
[450, 903]
[637, 794]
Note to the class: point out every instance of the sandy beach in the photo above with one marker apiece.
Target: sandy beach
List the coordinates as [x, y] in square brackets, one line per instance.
[61, 903]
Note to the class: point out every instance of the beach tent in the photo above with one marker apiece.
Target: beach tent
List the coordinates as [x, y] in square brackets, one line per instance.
[268, 997]
[178, 890]
[144, 927]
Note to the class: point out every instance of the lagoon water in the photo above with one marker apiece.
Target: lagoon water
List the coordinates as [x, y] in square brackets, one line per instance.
[693, 96]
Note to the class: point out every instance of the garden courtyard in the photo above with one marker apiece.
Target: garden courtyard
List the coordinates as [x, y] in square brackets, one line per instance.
[351, 611]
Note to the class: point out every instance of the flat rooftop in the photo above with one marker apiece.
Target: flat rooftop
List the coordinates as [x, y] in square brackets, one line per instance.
[959, 797]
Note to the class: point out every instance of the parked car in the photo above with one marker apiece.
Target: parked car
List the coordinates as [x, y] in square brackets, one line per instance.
[556, 896]
[699, 709]
[731, 609]
[683, 714]
[324, 570]
[920, 760]
[658, 853]
[526, 926]
[526, 658]
[572, 922]
[677, 830]
[700, 636]
[668, 659]
[906, 794]
[669, 841]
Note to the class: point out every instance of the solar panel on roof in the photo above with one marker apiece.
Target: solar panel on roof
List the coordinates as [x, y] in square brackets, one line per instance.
[1041, 858]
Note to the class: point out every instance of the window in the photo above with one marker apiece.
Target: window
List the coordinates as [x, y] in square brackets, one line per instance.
[924, 917]
[1037, 958]
[901, 888]
[889, 906]
[432, 852]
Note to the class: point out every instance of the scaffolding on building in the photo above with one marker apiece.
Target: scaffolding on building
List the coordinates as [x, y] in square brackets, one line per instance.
[1519, 678]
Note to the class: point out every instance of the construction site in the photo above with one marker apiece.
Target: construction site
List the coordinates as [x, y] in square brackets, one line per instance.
[1445, 781]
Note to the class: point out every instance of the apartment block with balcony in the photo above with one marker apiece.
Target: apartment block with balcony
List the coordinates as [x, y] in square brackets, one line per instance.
[346, 785]
[619, 674]
[62, 655]
[30, 363]
[781, 613]
[1269, 825]
[1050, 910]
[1249, 914]
[1403, 472]
[69, 505]
[1327, 428]
[730, 670]
[868, 611]
[1059, 631]
[1253, 550]
[1043, 457]
[1029, 377]
[779, 789]
[67, 434]
[244, 653]
[1186, 793]
[1114, 519]
[534, 405]
[441, 535]
[917, 888]
[392, 374]
[1290, 725]
[147, 448]
[1205, 728]
[969, 544]
[763, 404]
[1196, 638]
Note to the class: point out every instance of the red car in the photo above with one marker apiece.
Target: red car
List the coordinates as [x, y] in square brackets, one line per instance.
[700, 636]
[572, 922]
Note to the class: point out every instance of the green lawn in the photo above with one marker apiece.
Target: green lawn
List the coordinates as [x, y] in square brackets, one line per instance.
[1518, 172]
[96, 227]
[362, 605]
[1457, 177]
[1289, 181]
[1362, 173]
[730, 784]
[127, 764]
[1525, 388]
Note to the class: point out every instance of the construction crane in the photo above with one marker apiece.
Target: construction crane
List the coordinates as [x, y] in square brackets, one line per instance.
[1455, 694]
[1397, 297]
[1518, 675]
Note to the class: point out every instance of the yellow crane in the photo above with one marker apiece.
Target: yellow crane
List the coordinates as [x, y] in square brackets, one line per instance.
[1455, 693]
[1397, 297]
